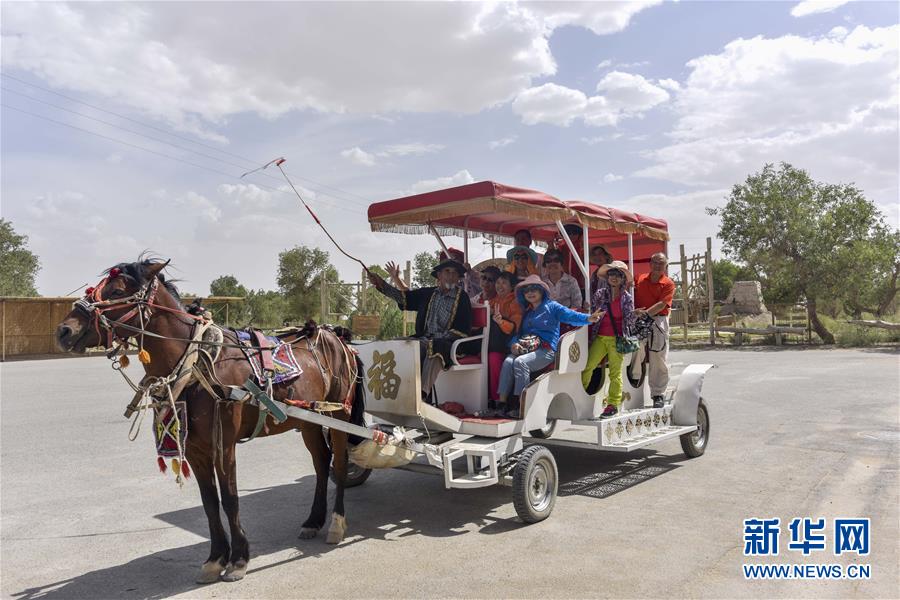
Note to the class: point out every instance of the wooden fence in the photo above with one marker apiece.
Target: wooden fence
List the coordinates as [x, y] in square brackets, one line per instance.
[28, 325]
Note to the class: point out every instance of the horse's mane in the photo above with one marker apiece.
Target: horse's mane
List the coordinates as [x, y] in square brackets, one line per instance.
[139, 272]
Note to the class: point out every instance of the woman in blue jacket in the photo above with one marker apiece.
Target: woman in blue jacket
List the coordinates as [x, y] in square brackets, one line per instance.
[534, 345]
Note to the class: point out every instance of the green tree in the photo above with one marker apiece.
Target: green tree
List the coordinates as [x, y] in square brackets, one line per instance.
[376, 303]
[423, 264]
[800, 235]
[227, 285]
[300, 272]
[18, 265]
[871, 280]
[725, 273]
[267, 309]
[233, 313]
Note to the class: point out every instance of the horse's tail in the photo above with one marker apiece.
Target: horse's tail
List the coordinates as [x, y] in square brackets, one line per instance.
[358, 409]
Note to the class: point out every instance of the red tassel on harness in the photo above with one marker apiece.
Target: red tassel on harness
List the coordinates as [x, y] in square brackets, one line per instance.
[114, 272]
[89, 291]
[185, 469]
[161, 462]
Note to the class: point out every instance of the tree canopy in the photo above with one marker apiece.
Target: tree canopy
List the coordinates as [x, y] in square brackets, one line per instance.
[807, 238]
[300, 272]
[423, 264]
[227, 285]
[18, 265]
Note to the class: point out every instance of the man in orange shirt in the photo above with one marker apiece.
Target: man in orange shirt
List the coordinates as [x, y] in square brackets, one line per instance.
[653, 294]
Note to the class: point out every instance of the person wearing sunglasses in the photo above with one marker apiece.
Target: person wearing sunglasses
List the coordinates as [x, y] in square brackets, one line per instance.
[563, 287]
[616, 305]
[522, 261]
[534, 344]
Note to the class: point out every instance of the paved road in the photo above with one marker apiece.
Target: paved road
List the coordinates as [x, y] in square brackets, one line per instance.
[811, 433]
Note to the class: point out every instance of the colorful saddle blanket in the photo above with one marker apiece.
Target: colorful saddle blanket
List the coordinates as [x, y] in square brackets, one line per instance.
[284, 363]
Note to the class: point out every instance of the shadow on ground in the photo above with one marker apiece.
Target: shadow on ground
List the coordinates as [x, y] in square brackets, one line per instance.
[391, 505]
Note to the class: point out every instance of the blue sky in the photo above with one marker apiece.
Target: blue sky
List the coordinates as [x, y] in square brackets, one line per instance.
[655, 107]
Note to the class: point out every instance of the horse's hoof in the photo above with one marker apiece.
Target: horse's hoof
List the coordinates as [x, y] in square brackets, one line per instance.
[308, 533]
[210, 572]
[337, 529]
[235, 571]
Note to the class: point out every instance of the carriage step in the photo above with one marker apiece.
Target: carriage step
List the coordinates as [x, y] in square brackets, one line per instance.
[653, 437]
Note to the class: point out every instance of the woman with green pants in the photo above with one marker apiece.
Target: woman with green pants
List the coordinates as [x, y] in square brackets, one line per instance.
[613, 299]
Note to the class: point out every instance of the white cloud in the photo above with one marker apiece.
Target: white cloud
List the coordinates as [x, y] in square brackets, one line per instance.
[611, 177]
[362, 157]
[599, 139]
[414, 148]
[669, 84]
[207, 210]
[149, 57]
[600, 17]
[503, 142]
[427, 185]
[604, 64]
[686, 216]
[359, 156]
[550, 103]
[812, 7]
[623, 95]
[826, 104]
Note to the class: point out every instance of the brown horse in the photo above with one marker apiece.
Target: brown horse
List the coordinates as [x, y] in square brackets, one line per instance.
[135, 298]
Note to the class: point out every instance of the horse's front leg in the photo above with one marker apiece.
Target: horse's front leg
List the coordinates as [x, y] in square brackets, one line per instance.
[321, 456]
[240, 546]
[338, 521]
[219, 552]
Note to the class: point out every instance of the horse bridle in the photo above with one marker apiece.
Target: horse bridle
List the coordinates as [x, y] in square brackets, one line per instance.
[93, 307]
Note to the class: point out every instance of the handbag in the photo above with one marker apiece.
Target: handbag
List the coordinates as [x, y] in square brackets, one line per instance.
[643, 326]
[625, 344]
[529, 343]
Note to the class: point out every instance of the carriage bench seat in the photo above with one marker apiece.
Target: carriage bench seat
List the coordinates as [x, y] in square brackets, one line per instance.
[473, 361]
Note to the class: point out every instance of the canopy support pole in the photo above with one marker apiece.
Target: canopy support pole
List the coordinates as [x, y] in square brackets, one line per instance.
[466, 241]
[587, 261]
[582, 265]
[440, 241]
[630, 254]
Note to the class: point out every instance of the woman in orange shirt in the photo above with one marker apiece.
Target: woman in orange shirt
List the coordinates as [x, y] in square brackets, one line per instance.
[506, 317]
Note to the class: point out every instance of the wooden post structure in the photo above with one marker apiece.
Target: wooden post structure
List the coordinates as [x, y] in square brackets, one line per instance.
[684, 292]
[323, 299]
[361, 303]
[709, 292]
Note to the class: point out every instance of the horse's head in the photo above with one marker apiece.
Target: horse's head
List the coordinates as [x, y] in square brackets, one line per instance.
[109, 310]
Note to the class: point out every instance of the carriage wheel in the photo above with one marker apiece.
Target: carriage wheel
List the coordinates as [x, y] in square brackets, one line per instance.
[356, 475]
[694, 443]
[534, 485]
[544, 432]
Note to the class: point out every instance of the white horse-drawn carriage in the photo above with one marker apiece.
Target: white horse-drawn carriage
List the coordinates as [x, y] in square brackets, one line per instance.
[471, 451]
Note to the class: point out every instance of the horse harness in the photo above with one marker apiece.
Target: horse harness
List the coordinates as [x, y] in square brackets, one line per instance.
[198, 363]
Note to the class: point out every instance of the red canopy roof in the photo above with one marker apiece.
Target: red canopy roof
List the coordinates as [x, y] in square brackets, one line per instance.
[492, 208]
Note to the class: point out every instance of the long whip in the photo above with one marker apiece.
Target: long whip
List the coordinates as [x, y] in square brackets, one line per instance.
[280, 161]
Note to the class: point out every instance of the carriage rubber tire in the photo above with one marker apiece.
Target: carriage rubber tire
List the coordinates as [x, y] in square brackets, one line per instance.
[544, 432]
[535, 483]
[356, 475]
[694, 444]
